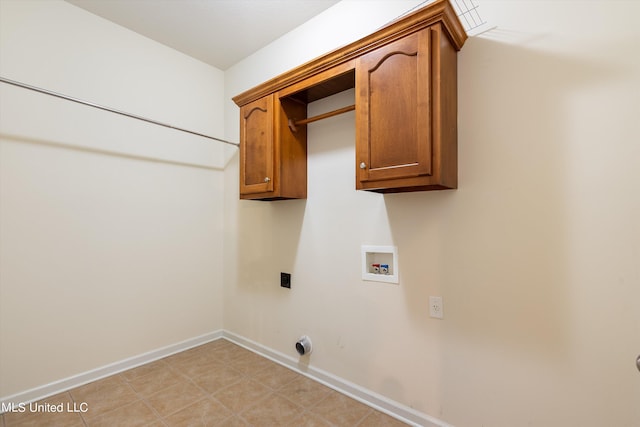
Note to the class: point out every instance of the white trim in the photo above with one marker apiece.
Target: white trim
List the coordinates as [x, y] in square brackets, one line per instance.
[370, 398]
[65, 384]
[368, 254]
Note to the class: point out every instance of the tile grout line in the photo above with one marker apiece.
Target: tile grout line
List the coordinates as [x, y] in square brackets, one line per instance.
[143, 398]
[225, 364]
[74, 401]
[248, 365]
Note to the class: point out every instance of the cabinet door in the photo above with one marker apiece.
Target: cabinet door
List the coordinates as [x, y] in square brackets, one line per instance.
[257, 146]
[393, 110]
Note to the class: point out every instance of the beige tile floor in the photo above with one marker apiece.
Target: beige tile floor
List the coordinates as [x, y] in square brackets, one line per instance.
[216, 384]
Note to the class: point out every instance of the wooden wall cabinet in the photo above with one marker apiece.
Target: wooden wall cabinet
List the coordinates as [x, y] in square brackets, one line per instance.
[405, 76]
[406, 115]
[257, 153]
[273, 160]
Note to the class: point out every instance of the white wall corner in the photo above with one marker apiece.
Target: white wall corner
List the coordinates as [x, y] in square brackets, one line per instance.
[65, 384]
[370, 398]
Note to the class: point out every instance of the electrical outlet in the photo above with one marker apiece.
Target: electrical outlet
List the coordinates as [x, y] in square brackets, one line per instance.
[436, 308]
[285, 280]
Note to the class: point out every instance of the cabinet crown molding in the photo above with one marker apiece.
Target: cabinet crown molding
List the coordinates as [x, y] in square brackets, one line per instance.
[440, 11]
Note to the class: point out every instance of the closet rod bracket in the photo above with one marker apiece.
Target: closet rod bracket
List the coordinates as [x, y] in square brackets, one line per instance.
[293, 123]
[292, 126]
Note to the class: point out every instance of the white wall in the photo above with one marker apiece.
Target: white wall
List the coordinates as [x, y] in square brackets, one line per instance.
[110, 229]
[536, 254]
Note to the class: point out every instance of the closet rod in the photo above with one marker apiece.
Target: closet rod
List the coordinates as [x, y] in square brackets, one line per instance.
[325, 115]
[294, 123]
[111, 110]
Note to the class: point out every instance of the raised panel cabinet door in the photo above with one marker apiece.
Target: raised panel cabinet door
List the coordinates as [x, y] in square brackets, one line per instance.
[393, 111]
[257, 146]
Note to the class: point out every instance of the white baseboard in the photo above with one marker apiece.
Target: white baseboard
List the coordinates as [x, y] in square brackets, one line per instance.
[60, 386]
[394, 409]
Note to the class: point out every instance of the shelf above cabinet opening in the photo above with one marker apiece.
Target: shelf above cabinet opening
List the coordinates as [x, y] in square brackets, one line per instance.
[317, 87]
[323, 86]
[405, 80]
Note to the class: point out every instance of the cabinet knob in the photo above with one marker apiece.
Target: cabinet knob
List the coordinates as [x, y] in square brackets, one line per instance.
[267, 179]
[363, 165]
